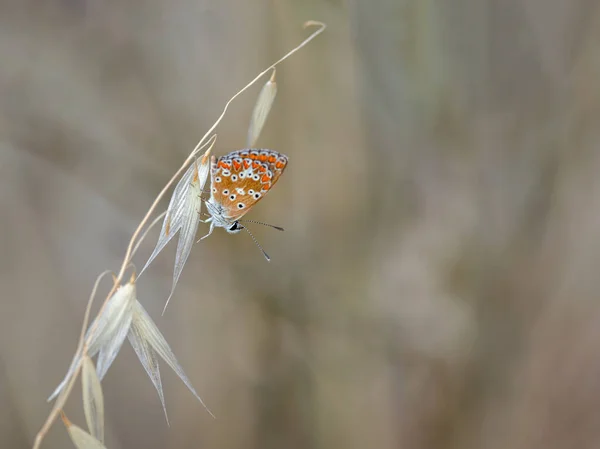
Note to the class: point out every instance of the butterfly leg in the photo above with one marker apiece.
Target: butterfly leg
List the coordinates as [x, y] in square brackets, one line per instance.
[209, 232]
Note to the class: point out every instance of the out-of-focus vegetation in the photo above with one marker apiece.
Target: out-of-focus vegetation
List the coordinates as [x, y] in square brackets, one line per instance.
[437, 284]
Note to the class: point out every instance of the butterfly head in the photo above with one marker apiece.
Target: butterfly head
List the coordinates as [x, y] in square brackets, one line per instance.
[234, 228]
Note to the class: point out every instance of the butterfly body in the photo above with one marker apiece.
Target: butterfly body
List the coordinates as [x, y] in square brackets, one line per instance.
[239, 180]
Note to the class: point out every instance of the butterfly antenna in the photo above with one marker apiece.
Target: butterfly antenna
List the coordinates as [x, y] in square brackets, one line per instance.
[257, 244]
[261, 223]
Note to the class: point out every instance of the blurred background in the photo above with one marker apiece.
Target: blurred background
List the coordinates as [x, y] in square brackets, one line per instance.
[437, 285]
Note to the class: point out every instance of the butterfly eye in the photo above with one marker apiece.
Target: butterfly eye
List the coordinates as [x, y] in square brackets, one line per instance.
[232, 197]
[241, 205]
[233, 177]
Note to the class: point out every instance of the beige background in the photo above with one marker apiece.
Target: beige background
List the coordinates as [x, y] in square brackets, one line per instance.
[438, 282]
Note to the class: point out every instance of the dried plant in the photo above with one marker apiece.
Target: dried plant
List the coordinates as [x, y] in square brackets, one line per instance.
[261, 110]
[93, 407]
[81, 439]
[121, 315]
[93, 399]
[182, 216]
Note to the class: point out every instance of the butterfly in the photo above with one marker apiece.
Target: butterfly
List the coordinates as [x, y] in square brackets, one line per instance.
[238, 181]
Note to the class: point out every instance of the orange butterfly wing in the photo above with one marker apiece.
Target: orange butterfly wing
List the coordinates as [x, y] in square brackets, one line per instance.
[242, 178]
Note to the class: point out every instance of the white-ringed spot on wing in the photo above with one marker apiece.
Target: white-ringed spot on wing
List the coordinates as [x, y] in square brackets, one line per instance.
[240, 191]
